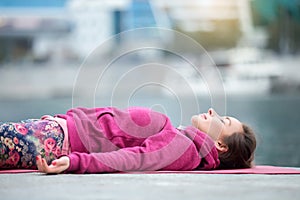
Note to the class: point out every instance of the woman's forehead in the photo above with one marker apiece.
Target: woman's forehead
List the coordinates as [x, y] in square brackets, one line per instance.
[236, 123]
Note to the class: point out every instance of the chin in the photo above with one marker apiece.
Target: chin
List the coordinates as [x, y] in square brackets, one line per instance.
[194, 119]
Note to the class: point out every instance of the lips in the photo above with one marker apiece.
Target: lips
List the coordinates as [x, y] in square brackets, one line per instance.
[204, 116]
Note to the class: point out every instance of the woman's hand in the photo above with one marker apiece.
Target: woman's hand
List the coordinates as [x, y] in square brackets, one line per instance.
[57, 166]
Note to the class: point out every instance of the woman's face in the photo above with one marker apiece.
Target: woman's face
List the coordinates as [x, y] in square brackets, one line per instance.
[216, 126]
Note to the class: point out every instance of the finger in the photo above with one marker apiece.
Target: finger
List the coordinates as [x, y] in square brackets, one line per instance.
[58, 162]
[55, 163]
[39, 164]
[42, 165]
[37, 161]
[48, 169]
[54, 168]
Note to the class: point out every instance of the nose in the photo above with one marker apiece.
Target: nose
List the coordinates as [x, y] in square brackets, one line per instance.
[212, 113]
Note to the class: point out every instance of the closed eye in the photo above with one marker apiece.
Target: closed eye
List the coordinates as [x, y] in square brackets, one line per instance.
[229, 121]
[222, 120]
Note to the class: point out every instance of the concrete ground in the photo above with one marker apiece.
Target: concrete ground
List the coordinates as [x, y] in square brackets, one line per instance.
[149, 186]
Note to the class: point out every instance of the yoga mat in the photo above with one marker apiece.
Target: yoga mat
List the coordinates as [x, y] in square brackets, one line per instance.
[259, 169]
[16, 171]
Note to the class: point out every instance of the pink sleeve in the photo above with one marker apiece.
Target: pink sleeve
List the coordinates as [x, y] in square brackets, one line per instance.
[156, 152]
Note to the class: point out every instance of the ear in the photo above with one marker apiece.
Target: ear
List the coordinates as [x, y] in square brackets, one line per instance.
[221, 147]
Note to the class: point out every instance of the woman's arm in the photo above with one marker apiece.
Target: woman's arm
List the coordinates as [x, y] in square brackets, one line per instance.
[157, 152]
[165, 150]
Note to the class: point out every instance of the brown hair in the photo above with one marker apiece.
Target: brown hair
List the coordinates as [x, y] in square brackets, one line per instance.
[241, 147]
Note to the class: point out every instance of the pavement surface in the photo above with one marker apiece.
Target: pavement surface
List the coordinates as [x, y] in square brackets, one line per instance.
[149, 186]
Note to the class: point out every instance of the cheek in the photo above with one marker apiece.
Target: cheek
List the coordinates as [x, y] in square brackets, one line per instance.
[215, 129]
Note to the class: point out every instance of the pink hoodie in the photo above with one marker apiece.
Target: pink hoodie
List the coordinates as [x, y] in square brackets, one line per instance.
[110, 139]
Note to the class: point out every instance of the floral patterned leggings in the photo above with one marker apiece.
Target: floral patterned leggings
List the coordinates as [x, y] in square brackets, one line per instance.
[20, 143]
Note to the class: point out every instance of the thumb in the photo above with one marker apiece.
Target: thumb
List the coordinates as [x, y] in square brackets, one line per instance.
[57, 162]
[60, 161]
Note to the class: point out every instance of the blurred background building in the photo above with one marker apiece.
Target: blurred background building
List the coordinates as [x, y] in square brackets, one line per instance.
[253, 43]
[250, 33]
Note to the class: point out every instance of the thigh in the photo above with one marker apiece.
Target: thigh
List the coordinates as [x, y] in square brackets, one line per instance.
[21, 142]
